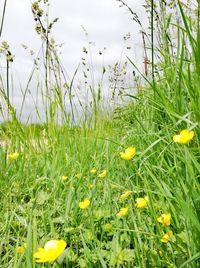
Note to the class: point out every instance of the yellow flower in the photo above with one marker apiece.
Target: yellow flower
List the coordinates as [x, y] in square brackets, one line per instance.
[167, 237]
[142, 202]
[103, 174]
[125, 194]
[93, 171]
[13, 156]
[161, 253]
[21, 249]
[84, 204]
[78, 176]
[64, 178]
[128, 154]
[51, 251]
[184, 137]
[122, 212]
[165, 219]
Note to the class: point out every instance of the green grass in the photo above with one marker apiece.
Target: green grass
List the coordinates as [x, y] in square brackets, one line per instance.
[37, 205]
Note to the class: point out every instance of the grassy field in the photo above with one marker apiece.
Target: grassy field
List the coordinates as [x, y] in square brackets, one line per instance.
[113, 207]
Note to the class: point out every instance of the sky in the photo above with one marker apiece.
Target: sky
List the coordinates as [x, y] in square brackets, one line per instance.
[105, 22]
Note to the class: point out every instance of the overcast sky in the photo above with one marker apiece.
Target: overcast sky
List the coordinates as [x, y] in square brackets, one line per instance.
[105, 22]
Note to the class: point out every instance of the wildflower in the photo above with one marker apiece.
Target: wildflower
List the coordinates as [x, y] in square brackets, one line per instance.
[165, 219]
[13, 156]
[5, 45]
[64, 178]
[184, 137]
[142, 202]
[93, 171]
[84, 204]
[107, 227]
[78, 176]
[125, 194]
[51, 251]
[103, 174]
[167, 237]
[128, 154]
[122, 212]
[21, 249]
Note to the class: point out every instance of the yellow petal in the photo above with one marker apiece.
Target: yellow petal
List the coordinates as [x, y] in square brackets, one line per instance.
[103, 174]
[167, 237]
[125, 194]
[51, 251]
[122, 212]
[176, 138]
[13, 156]
[20, 250]
[93, 171]
[142, 202]
[64, 178]
[184, 137]
[78, 176]
[128, 154]
[165, 219]
[84, 204]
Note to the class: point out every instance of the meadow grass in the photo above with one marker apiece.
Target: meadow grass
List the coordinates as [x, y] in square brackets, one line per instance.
[57, 166]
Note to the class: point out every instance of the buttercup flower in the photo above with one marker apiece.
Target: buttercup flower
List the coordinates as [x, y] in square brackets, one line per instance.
[103, 174]
[64, 178]
[21, 249]
[167, 237]
[184, 137]
[51, 251]
[93, 171]
[128, 154]
[165, 219]
[84, 204]
[122, 212]
[13, 156]
[125, 194]
[142, 202]
[78, 176]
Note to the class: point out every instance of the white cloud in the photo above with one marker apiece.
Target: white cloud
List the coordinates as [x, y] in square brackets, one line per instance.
[104, 21]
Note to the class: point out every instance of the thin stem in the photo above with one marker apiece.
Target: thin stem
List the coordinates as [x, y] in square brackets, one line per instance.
[7, 84]
[152, 42]
[3, 17]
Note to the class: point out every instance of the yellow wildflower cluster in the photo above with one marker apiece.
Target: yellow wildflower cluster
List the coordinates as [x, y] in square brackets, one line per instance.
[54, 248]
[165, 219]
